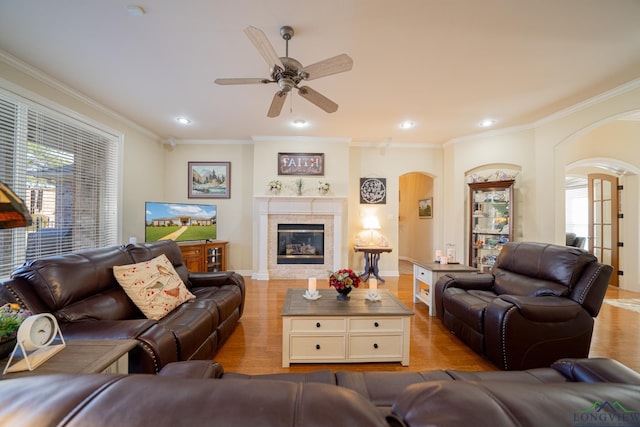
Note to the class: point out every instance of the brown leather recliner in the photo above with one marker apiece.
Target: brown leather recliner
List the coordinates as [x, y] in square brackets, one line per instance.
[537, 305]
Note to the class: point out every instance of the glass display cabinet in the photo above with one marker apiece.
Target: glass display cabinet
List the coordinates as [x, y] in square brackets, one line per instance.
[491, 221]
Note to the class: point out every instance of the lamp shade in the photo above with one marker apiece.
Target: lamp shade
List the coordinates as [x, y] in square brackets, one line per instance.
[13, 212]
[371, 223]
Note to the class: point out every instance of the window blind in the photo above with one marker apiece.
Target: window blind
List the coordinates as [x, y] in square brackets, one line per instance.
[66, 172]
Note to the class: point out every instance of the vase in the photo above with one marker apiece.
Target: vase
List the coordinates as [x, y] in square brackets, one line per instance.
[7, 344]
[343, 294]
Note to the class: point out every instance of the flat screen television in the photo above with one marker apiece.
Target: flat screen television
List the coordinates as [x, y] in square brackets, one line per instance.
[180, 221]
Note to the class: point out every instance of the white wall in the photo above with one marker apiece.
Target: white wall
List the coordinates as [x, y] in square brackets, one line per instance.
[234, 213]
[390, 162]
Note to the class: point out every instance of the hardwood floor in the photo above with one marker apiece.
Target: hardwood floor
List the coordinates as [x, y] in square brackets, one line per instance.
[255, 345]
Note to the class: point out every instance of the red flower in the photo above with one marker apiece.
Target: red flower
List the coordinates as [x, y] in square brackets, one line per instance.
[344, 278]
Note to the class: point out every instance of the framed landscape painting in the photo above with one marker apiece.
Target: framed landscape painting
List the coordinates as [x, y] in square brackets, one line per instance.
[425, 208]
[209, 180]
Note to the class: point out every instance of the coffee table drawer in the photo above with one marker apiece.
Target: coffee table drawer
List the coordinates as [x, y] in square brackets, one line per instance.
[375, 324]
[375, 347]
[324, 324]
[309, 347]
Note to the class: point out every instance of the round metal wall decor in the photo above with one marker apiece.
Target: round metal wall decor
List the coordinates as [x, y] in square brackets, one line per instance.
[373, 190]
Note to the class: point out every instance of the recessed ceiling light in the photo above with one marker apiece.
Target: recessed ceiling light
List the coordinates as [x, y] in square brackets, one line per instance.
[487, 123]
[135, 10]
[407, 124]
[183, 120]
[299, 123]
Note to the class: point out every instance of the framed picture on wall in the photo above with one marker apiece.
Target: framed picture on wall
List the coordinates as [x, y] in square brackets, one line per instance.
[209, 180]
[373, 191]
[301, 164]
[425, 208]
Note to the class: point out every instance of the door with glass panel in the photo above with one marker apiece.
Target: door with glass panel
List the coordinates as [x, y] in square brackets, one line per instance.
[603, 220]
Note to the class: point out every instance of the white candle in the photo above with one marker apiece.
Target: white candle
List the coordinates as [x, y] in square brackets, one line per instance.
[373, 284]
[438, 255]
[443, 260]
[312, 285]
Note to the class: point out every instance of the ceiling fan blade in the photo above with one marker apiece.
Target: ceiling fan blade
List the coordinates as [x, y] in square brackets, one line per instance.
[264, 46]
[277, 103]
[318, 99]
[241, 81]
[337, 64]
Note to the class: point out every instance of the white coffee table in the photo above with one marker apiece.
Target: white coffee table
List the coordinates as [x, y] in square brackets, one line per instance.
[327, 330]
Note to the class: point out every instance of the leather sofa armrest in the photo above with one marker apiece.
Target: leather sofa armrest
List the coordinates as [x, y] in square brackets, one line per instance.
[544, 309]
[106, 329]
[596, 369]
[462, 281]
[192, 369]
[203, 280]
[478, 281]
[199, 279]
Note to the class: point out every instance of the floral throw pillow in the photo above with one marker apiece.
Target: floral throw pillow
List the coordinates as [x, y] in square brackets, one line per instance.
[153, 286]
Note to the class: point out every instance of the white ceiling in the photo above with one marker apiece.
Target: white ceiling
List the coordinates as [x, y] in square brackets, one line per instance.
[444, 64]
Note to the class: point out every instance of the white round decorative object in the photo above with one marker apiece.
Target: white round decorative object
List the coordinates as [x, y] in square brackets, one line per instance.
[37, 331]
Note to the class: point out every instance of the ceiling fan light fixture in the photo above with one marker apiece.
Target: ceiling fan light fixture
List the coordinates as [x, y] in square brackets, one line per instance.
[299, 123]
[183, 120]
[487, 123]
[407, 124]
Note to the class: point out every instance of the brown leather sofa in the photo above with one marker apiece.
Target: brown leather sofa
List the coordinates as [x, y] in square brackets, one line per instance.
[80, 290]
[537, 305]
[199, 393]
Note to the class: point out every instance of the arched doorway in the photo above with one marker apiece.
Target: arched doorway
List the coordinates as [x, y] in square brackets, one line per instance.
[597, 153]
[415, 232]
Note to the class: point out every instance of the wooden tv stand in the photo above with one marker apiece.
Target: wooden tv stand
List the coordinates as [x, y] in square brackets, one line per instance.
[210, 256]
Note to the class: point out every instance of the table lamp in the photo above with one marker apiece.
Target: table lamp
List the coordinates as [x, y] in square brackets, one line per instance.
[371, 223]
[13, 212]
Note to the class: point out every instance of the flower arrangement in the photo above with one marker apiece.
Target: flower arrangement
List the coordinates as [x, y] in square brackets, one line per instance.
[343, 279]
[11, 316]
[275, 185]
[323, 187]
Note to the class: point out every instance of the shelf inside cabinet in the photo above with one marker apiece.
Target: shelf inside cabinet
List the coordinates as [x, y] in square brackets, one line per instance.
[490, 220]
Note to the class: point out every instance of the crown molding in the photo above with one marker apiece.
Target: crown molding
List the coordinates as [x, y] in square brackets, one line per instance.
[37, 74]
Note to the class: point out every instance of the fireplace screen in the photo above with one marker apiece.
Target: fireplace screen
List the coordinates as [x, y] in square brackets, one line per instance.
[300, 244]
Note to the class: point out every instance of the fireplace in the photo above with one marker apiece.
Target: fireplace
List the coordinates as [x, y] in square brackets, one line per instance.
[306, 212]
[300, 244]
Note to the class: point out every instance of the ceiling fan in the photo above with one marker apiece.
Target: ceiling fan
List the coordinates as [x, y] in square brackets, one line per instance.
[288, 73]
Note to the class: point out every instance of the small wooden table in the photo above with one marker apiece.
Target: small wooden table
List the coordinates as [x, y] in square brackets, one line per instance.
[425, 277]
[82, 357]
[327, 330]
[371, 258]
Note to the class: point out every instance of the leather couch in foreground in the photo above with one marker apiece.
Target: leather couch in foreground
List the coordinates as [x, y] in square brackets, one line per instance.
[199, 393]
[536, 306]
[81, 291]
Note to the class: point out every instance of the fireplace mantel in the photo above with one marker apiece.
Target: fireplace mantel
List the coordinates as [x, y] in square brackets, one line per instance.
[307, 206]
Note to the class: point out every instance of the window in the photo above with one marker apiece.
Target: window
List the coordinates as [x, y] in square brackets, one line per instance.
[66, 172]
[577, 210]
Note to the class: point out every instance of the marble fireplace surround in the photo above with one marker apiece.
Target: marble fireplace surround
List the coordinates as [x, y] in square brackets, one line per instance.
[274, 210]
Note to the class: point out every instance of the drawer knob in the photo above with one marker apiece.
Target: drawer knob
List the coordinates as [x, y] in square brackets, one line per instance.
[375, 345]
[318, 325]
[317, 346]
[376, 324]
